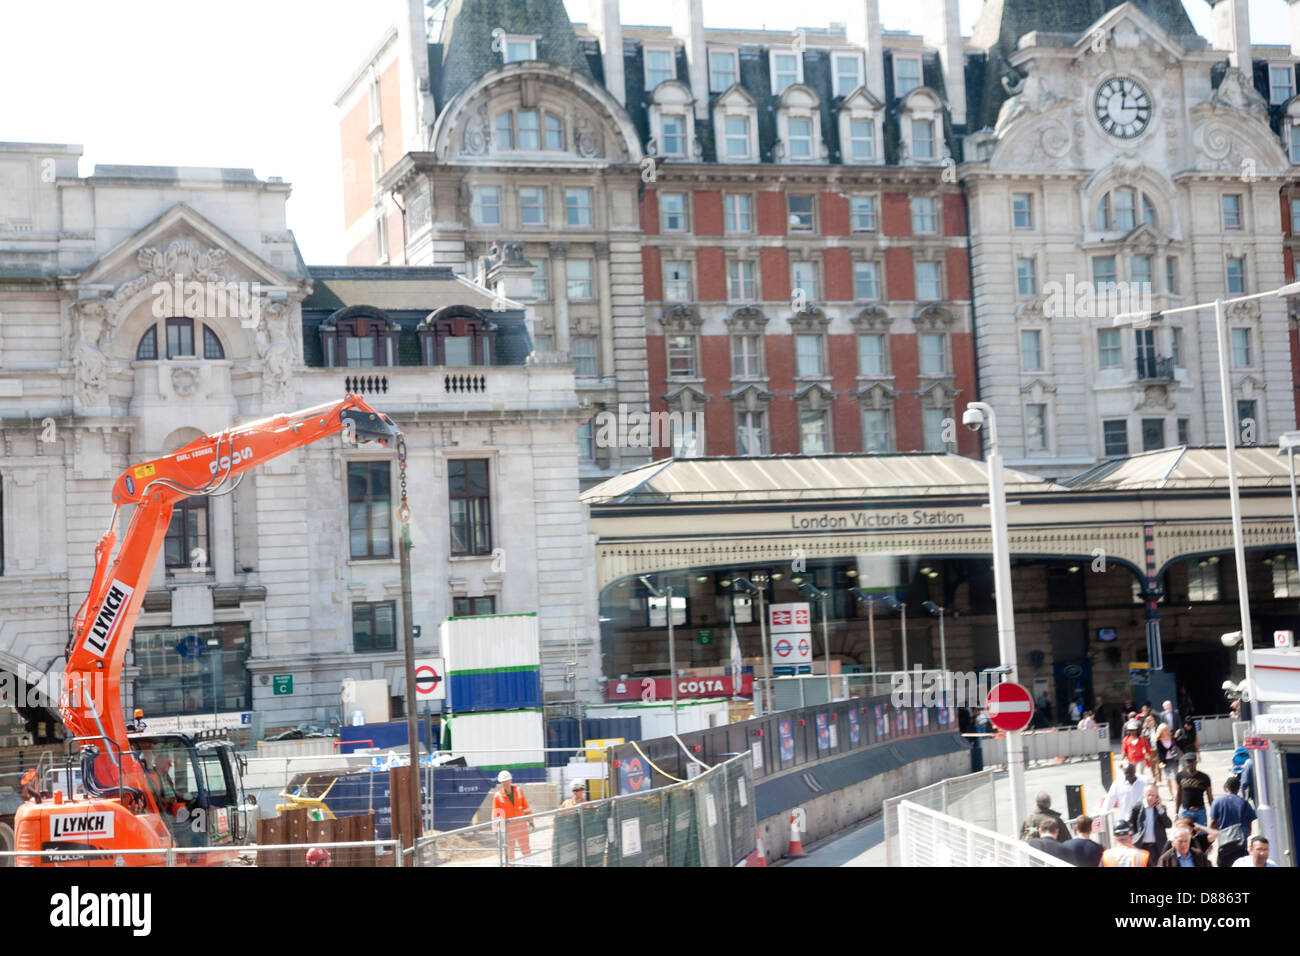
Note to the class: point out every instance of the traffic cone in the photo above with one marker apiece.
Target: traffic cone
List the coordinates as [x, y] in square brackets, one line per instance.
[796, 843]
[757, 856]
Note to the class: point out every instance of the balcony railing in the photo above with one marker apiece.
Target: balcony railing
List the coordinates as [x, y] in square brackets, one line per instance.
[1151, 368]
[366, 384]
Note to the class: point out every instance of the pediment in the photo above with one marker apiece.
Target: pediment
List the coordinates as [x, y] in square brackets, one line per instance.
[799, 96]
[860, 99]
[684, 396]
[681, 318]
[672, 93]
[923, 100]
[736, 96]
[1125, 28]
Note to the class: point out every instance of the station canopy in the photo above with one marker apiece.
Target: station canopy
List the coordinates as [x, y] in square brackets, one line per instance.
[1186, 468]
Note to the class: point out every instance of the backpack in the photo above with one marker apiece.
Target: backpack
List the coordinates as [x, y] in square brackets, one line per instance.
[1239, 757]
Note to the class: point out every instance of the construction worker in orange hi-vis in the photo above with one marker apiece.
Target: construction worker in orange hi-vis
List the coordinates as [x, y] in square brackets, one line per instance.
[579, 790]
[509, 803]
[1124, 853]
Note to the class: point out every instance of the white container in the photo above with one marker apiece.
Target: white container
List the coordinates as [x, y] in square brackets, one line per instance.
[509, 738]
[490, 642]
[371, 697]
[657, 718]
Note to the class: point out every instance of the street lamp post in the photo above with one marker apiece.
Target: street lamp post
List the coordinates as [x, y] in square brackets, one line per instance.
[1141, 320]
[943, 646]
[816, 594]
[672, 643]
[976, 415]
[755, 587]
[1287, 445]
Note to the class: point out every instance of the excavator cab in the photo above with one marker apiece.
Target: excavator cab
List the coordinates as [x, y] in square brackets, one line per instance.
[198, 786]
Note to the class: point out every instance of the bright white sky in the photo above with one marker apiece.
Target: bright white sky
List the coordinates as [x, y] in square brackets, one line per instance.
[251, 83]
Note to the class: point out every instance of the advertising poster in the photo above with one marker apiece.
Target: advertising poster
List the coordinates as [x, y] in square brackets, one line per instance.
[854, 733]
[787, 740]
[823, 733]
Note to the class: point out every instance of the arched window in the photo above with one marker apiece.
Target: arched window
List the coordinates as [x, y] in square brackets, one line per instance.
[1117, 210]
[147, 350]
[180, 341]
[359, 336]
[457, 335]
[212, 345]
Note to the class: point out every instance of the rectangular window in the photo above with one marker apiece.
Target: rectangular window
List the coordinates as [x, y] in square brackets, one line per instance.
[1281, 83]
[532, 205]
[933, 350]
[1202, 580]
[801, 213]
[188, 534]
[1125, 209]
[1026, 280]
[577, 207]
[1153, 434]
[1103, 272]
[866, 281]
[217, 680]
[1171, 275]
[541, 281]
[808, 356]
[923, 215]
[359, 352]
[1286, 580]
[672, 212]
[862, 213]
[180, 337]
[1022, 211]
[681, 356]
[584, 355]
[672, 136]
[862, 140]
[577, 274]
[1247, 418]
[1240, 348]
[741, 285]
[751, 433]
[871, 354]
[471, 511]
[1293, 141]
[554, 132]
[1109, 350]
[746, 356]
[657, 611]
[686, 439]
[586, 442]
[786, 68]
[813, 437]
[848, 73]
[739, 217]
[799, 137]
[1295, 217]
[1231, 211]
[457, 350]
[528, 129]
[1176, 346]
[1035, 427]
[677, 281]
[518, 50]
[932, 425]
[505, 138]
[1236, 275]
[1184, 431]
[473, 606]
[922, 139]
[1148, 366]
[374, 627]
[907, 74]
[736, 129]
[1031, 350]
[722, 70]
[875, 431]
[928, 286]
[803, 278]
[1115, 437]
[659, 67]
[1139, 271]
[369, 509]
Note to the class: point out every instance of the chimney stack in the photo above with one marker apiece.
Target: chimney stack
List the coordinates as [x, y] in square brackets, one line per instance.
[863, 29]
[688, 26]
[608, 30]
[943, 31]
[1295, 26]
[1230, 31]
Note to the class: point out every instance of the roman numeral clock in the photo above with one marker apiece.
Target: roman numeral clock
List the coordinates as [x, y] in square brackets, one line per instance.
[1123, 107]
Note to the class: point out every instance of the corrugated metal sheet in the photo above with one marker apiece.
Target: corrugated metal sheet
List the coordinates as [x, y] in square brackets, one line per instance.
[490, 642]
[506, 689]
[512, 738]
[565, 732]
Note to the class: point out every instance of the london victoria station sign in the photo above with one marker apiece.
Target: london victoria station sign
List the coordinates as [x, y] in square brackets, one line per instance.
[910, 518]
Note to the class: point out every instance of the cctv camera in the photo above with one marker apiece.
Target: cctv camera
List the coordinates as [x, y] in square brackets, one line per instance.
[1228, 686]
[972, 418]
[1230, 639]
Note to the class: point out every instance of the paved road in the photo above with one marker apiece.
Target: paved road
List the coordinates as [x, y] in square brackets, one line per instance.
[864, 845]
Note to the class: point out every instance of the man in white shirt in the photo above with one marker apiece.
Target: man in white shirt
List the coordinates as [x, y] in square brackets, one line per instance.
[1258, 853]
[1169, 717]
[1124, 794]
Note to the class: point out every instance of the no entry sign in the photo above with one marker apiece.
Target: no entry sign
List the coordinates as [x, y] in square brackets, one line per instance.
[430, 682]
[1010, 707]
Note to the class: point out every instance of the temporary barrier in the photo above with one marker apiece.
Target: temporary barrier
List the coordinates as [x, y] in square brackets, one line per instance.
[708, 821]
[1056, 743]
[970, 798]
[929, 838]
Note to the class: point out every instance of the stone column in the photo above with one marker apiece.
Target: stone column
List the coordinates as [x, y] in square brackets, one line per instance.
[223, 538]
[606, 309]
[560, 296]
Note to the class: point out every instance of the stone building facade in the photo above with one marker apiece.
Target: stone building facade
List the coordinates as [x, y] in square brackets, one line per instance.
[110, 358]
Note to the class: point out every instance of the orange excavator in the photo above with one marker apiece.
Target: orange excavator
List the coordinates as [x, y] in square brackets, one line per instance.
[163, 792]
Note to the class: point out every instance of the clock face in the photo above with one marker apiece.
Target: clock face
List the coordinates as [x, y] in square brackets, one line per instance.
[1123, 107]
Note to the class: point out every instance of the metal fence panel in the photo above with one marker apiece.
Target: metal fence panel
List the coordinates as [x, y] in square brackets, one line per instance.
[930, 838]
[970, 798]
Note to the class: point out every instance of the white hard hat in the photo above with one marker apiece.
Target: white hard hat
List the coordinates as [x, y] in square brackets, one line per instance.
[578, 785]
[503, 776]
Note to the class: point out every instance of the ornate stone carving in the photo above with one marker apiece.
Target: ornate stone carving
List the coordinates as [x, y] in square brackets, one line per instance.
[275, 348]
[588, 141]
[746, 319]
[873, 318]
[92, 319]
[185, 380]
[1236, 92]
[682, 318]
[1034, 311]
[934, 318]
[477, 139]
[877, 396]
[809, 320]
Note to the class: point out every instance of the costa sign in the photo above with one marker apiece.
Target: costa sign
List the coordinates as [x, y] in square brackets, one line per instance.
[650, 689]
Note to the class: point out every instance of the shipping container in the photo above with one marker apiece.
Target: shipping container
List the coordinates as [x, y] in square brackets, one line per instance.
[504, 688]
[498, 740]
[490, 642]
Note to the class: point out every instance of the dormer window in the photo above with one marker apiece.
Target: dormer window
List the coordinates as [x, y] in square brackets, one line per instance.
[735, 125]
[458, 335]
[907, 74]
[660, 66]
[723, 70]
[848, 72]
[859, 119]
[921, 122]
[799, 126]
[787, 70]
[359, 337]
[672, 121]
[737, 136]
[1281, 82]
[518, 49]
